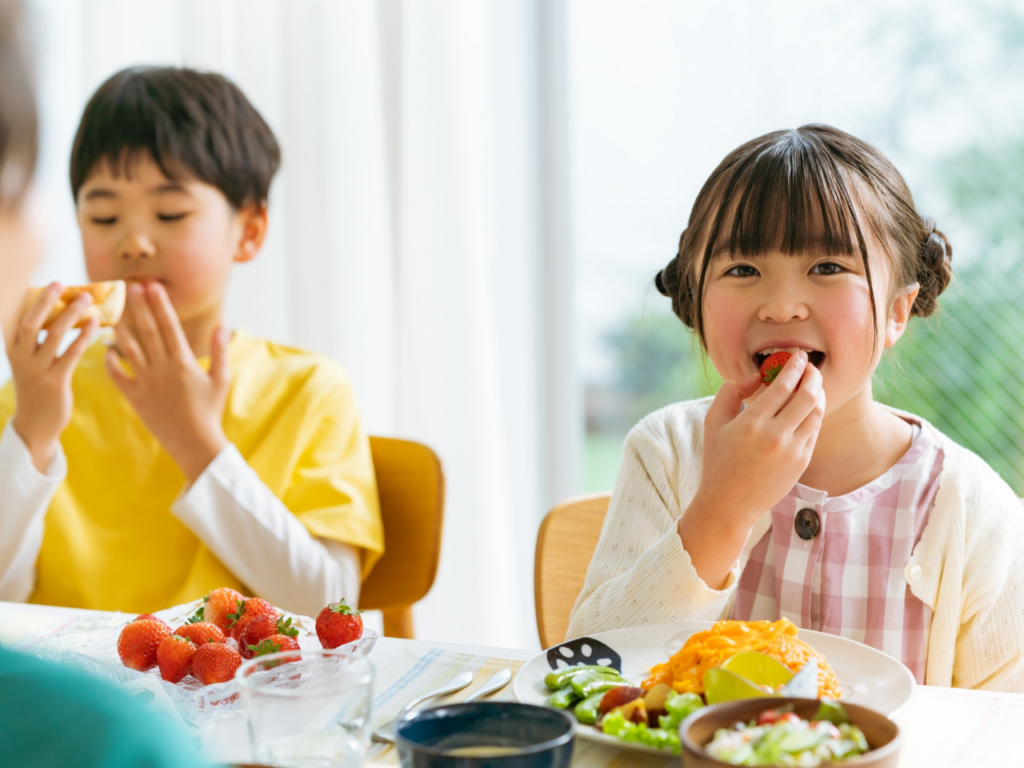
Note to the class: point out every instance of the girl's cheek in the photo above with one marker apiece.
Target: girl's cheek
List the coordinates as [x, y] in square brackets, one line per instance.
[725, 325]
[850, 320]
[849, 333]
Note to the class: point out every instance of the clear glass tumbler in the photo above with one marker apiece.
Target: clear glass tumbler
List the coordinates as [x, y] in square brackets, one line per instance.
[307, 709]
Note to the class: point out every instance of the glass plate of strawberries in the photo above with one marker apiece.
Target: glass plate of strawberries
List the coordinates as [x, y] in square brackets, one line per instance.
[190, 652]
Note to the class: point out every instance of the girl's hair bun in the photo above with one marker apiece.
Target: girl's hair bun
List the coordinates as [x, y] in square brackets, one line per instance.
[659, 279]
[934, 269]
[670, 282]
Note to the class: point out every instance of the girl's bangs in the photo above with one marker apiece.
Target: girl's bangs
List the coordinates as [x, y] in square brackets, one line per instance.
[790, 198]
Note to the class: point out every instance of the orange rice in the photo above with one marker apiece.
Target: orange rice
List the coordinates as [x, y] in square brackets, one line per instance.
[709, 648]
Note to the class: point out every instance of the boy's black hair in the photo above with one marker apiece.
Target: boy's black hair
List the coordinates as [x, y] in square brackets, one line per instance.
[192, 123]
[19, 140]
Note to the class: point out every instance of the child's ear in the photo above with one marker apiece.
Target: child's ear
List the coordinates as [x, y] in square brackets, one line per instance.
[254, 229]
[899, 315]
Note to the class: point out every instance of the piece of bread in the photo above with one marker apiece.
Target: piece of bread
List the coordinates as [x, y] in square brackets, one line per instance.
[107, 302]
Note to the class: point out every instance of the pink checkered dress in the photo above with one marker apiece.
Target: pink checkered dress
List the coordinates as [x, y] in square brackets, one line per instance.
[848, 579]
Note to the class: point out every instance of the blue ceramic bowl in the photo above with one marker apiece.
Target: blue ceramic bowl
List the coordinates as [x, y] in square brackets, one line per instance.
[486, 733]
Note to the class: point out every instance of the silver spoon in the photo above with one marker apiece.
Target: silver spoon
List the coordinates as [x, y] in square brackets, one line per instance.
[386, 732]
[498, 681]
[386, 735]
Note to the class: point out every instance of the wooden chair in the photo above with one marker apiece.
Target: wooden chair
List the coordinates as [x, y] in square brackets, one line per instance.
[565, 543]
[411, 486]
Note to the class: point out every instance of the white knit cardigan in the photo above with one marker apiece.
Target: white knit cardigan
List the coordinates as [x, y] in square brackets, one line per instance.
[968, 566]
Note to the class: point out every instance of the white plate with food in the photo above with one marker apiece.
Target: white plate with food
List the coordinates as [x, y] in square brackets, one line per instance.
[862, 675]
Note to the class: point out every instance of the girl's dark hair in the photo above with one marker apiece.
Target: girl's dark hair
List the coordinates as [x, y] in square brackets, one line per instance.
[19, 124]
[801, 190]
[190, 122]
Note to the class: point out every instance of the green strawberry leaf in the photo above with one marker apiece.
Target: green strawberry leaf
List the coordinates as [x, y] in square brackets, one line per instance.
[239, 612]
[265, 647]
[344, 609]
[284, 627]
[771, 373]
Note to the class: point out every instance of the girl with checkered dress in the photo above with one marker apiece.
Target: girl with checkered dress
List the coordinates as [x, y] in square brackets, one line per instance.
[805, 498]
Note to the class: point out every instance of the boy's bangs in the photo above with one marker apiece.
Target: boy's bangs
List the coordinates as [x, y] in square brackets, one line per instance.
[193, 124]
[121, 165]
[137, 124]
[790, 198]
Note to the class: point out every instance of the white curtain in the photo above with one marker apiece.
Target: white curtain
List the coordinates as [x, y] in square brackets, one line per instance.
[417, 235]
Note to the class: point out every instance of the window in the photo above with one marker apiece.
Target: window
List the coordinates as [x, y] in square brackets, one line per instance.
[661, 91]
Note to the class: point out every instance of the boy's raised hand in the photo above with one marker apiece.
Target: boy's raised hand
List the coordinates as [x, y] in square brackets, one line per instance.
[180, 403]
[753, 456]
[42, 377]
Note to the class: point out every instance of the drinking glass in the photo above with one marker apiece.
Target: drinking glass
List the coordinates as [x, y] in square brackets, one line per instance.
[307, 708]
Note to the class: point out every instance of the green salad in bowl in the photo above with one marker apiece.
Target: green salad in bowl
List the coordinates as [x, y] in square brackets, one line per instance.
[801, 732]
[780, 737]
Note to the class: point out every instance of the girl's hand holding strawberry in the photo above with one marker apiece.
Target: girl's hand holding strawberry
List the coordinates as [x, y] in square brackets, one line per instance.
[42, 377]
[180, 403]
[753, 456]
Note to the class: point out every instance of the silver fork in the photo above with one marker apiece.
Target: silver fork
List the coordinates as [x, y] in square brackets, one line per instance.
[385, 735]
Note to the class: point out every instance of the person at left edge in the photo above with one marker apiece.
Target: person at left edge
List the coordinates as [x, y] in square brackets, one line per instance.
[53, 716]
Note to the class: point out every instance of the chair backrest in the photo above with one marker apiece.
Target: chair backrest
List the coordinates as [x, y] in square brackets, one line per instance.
[565, 543]
[411, 486]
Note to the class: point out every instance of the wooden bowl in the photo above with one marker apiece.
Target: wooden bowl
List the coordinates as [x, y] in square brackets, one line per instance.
[698, 729]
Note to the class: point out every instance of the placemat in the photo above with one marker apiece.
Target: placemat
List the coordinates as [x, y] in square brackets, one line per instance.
[421, 668]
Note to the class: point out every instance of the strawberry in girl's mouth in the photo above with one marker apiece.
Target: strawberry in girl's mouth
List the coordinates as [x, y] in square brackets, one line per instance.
[771, 360]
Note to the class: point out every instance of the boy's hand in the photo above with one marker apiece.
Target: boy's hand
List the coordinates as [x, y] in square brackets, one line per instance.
[42, 378]
[753, 456]
[180, 403]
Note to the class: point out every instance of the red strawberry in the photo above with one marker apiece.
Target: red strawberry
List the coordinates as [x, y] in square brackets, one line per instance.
[261, 628]
[217, 605]
[772, 365]
[338, 624]
[200, 632]
[151, 617]
[174, 654]
[138, 642]
[246, 611]
[215, 663]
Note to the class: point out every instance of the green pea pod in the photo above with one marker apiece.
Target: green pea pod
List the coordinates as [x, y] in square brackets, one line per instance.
[597, 685]
[588, 710]
[563, 698]
[577, 681]
[561, 677]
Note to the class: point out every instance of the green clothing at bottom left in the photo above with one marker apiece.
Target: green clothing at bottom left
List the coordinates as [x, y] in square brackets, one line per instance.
[51, 715]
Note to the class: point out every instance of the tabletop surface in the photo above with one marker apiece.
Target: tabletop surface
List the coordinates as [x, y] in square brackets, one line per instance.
[939, 726]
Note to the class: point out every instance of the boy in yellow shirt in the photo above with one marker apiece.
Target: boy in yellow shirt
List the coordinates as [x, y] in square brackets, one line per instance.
[145, 473]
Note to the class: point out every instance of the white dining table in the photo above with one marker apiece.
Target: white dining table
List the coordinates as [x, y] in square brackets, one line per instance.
[939, 726]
